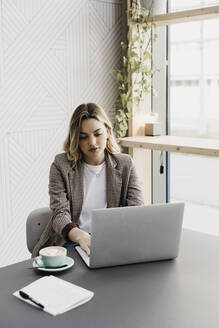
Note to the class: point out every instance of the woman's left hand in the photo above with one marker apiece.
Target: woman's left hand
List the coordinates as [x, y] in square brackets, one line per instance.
[81, 237]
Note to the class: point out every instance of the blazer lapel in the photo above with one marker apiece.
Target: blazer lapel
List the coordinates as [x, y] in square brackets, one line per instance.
[76, 188]
[113, 182]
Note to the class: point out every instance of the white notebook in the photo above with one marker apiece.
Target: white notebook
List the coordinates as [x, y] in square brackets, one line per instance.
[56, 295]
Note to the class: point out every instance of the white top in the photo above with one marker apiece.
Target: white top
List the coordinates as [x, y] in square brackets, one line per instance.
[94, 186]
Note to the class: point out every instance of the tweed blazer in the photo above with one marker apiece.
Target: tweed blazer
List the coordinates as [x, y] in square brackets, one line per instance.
[66, 193]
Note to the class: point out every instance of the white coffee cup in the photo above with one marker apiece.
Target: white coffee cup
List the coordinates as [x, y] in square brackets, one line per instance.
[53, 256]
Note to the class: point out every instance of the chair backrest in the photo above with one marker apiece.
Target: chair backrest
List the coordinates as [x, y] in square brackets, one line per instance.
[36, 223]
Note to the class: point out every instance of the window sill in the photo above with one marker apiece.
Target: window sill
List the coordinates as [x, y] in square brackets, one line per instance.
[197, 146]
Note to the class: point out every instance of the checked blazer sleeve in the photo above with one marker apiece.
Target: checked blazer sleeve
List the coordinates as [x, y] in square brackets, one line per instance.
[59, 200]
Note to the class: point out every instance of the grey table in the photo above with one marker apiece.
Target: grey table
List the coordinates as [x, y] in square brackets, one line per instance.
[183, 293]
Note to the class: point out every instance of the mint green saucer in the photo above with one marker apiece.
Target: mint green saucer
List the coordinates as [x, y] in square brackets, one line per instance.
[38, 264]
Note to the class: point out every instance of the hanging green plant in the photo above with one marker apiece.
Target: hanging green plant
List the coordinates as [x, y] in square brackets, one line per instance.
[134, 75]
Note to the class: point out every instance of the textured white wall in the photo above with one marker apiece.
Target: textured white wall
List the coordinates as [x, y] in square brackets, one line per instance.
[54, 55]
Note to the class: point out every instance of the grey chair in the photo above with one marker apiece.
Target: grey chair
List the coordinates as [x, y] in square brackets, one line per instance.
[36, 223]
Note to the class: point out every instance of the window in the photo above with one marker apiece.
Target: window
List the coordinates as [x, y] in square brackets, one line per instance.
[194, 112]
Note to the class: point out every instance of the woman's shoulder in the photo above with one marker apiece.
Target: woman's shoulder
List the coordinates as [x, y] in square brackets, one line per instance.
[62, 157]
[122, 159]
[122, 156]
[61, 160]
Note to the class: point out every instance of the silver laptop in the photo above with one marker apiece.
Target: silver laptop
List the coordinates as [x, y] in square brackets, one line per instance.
[134, 234]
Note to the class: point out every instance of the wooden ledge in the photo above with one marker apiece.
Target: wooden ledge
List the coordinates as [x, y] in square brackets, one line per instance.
[185, 16]
[197, 146]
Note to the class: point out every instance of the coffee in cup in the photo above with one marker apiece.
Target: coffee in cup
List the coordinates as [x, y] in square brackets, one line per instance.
[53, 256]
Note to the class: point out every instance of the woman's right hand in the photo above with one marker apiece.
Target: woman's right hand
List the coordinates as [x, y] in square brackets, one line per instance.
[81, 237]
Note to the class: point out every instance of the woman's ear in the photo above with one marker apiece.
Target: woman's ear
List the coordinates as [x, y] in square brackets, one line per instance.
[107, 132]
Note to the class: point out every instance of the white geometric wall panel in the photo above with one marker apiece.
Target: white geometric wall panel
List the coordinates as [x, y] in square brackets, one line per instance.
[54, 55]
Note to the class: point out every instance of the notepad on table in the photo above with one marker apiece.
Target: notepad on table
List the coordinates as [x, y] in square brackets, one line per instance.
[55, 294]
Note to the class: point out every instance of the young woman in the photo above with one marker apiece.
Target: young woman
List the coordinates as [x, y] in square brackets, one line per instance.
[91, 174]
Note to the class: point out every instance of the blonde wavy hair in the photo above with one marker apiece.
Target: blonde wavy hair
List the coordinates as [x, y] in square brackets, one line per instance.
[84, 112]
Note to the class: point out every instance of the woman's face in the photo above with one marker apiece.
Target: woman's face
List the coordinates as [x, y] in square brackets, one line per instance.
[92, 141]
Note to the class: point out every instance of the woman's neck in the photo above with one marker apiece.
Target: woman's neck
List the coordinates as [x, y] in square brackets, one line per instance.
[97, 162]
